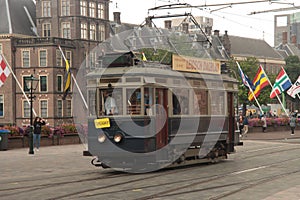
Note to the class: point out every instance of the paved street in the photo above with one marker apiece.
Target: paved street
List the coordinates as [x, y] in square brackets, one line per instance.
[261, 169]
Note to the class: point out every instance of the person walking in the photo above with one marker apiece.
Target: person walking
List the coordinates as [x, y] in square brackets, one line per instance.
[293, 123]
[246, 124]
[264, 123]
[37, 125]
[241, 125]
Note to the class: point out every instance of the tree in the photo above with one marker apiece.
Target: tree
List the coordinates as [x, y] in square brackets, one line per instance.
[293, 67]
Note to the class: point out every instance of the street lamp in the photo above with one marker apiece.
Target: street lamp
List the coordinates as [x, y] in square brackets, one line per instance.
[31, 84]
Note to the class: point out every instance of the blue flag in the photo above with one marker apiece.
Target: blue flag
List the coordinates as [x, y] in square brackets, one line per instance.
[246, 81]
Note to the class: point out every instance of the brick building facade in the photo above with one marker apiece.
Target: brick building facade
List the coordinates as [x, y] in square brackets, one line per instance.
[30, 46]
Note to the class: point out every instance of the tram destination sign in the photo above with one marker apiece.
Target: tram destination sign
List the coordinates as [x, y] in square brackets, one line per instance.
[192, 64]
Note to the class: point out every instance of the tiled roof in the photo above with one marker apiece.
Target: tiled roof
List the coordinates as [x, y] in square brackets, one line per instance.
[288, 50]
[248, 47]
[14, 19]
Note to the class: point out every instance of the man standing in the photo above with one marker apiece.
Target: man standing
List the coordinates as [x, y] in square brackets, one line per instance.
[293, 123]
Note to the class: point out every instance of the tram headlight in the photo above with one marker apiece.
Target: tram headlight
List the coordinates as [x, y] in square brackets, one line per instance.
[118, 137]
[101, 138]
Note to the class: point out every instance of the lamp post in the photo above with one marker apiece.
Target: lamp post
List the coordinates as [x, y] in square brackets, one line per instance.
[32, 84]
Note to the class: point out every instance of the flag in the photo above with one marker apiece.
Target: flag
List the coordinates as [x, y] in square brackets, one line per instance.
[295, 89]
[260, 81]
[4, 71]
[281, 84]
[246, 81]
[67, 76]
[67, 80]
[144, 57]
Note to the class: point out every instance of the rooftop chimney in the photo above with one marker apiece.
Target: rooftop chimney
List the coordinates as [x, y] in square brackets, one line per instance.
[208, 30]
[168, 24]
[216, 32]
[284, 37]
[185, 27]
[294, 39]
[117, 17]
[148, 22]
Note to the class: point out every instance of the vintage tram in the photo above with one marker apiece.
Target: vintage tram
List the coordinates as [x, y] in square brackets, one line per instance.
[165, 115]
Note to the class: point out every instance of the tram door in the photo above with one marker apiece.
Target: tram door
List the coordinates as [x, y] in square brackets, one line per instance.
[161, 101]
[231, 121]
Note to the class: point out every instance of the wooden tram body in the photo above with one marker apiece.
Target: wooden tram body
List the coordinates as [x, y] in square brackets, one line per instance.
[197, 110]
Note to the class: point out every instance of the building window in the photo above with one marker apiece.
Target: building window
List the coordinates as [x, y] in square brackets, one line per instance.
[92, 9]
[59, 83]
[69, 57]
[43, 84]
[66, 30]
[65, 8]
[92, 102]
[46, 8]
[101, 12]
[92, 32]
[83, 31]
[25, 58]
[101, 32]
[25, 88]
[59, 111]
[44, 108]
[83, 8]
[58, 58]
[26, 109]
[43, 58]
[46, 30]
[68, 108]
[1, 105]
[92, 60]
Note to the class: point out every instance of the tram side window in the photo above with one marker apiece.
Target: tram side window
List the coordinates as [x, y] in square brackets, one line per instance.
[200, 102]
[110, 102]
[148, 101]
[217, 102]
[180, 102]
[133, 101]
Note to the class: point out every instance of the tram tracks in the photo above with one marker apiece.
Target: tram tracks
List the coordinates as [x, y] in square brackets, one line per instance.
[121, 185]
[175, 190]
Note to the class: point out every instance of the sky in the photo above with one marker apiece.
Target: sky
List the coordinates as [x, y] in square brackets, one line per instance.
[235, 19]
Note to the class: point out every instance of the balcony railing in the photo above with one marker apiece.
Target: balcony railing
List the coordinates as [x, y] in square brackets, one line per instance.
[44, 40]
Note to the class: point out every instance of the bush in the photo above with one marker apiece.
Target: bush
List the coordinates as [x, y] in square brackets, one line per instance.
[283, 121]
[14, 130]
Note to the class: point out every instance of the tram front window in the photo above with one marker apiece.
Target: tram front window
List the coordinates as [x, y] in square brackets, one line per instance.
[109, 102]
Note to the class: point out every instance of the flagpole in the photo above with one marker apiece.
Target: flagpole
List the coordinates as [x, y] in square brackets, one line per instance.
[275, 92]
[251, 90]
[18, 83]
[81, 95]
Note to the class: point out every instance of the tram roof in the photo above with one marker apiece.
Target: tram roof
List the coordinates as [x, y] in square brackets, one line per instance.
[154, 69]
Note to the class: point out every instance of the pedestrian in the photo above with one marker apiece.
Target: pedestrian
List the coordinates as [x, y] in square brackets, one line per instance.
[241, 125]
[264, 123]
[246, 124]
[293, 123]
[37, 125]
[110, 103]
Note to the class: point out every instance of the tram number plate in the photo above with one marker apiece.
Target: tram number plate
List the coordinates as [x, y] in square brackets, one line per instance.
[102, 123]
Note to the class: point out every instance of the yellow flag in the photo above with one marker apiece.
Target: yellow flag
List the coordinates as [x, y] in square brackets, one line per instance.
[144, 57]
[68, 80]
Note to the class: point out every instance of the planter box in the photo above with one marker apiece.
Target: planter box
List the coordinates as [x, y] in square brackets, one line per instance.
[271, 128]
[23, 142]
[69, 139]
[16, 142]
